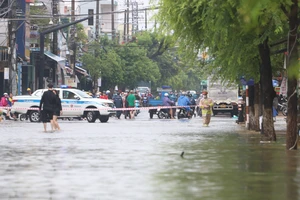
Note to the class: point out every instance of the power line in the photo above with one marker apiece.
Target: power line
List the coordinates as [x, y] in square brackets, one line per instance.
[78, 15]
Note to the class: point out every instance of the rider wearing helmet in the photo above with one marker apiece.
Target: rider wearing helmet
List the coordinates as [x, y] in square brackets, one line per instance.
[184, 102]
[193, 102]
[168, 102]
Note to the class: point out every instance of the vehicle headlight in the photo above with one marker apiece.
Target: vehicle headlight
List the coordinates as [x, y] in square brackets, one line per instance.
[105, 104]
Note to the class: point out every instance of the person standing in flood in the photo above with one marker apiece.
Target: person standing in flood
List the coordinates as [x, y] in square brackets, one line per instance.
[47, 105]
[206, 105]
[57, 110]
[118, 101]
[131, 103]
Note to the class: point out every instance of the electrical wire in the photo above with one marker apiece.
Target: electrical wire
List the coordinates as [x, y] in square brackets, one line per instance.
[76, 15]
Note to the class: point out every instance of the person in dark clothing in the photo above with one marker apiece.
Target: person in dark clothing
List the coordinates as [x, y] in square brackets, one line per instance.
[118, 101]
[57, 110]
[193, 103]
[48, 103]
[126, 112]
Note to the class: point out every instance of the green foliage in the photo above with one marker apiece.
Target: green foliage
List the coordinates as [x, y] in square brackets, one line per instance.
[38, 11]
[151, 57]
[232, 30]
[81, 36]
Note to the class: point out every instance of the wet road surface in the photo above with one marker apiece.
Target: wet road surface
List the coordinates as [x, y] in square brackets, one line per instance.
[140, 159]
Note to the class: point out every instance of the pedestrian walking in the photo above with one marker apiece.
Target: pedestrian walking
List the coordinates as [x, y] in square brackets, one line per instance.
[131, 103]
[57, 110]
[206, 105]
[47, 105]
[118, 101]
[125, 105]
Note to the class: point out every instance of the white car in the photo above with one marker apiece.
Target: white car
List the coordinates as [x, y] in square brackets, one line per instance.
[75, 103]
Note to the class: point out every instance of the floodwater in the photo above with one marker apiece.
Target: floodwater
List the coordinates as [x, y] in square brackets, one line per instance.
[141, 159]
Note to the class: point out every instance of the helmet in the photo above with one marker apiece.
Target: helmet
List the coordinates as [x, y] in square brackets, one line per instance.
[166, 94]
[5, 94]
[107, 92]
[204, 92]
[28, 89]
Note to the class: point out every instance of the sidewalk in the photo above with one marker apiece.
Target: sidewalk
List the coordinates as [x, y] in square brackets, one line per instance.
[280, 124]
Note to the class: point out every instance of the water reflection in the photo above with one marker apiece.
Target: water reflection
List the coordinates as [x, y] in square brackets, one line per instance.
[230, 166]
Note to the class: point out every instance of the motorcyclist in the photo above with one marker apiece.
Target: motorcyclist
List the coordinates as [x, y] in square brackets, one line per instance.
[184, 102]
[168, 102]
[193, 103]
[145, 100]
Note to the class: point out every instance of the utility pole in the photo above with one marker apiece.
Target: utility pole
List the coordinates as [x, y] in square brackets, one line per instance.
[124, 32]
[127, 18]
[54, 12]
[11, 84]
[146, 20]
[97, 21]
[135, 17]
[112, 19]
[6, 86]
[73, 41]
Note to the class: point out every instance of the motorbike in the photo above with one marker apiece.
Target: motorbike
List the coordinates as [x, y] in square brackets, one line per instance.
[137, 104]
[145, 101]
[165, 114]
[282, 105]
[283, 108]
[183, 113]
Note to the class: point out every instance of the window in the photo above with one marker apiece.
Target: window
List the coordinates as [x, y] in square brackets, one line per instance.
[68, 95]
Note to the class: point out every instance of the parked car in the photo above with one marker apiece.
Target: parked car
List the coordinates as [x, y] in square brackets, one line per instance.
[75, 103]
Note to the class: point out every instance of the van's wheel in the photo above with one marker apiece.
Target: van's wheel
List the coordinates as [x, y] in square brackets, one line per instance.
[91, 116]
[103, 118]
[160, 114]
[151, 114]
[34, 116]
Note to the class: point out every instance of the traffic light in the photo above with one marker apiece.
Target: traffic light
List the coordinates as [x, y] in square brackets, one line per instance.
[91, 17]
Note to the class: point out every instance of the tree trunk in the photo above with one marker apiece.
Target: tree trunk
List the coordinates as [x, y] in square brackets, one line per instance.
[256, 107]
[267, 91]
[251, 107]
[291, 135]
[254, 114]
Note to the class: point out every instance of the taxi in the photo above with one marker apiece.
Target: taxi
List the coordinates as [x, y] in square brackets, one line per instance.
[75, 103]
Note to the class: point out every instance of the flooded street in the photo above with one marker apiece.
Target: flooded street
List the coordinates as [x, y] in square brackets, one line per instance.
[141, 159]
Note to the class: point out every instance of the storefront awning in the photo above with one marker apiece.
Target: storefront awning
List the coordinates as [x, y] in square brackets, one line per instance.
[60, 60]
[81, 70]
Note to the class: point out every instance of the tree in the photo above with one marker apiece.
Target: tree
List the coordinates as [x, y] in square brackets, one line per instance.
[288, 10]
[176, 72]
[223, 27]
[136, 65]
